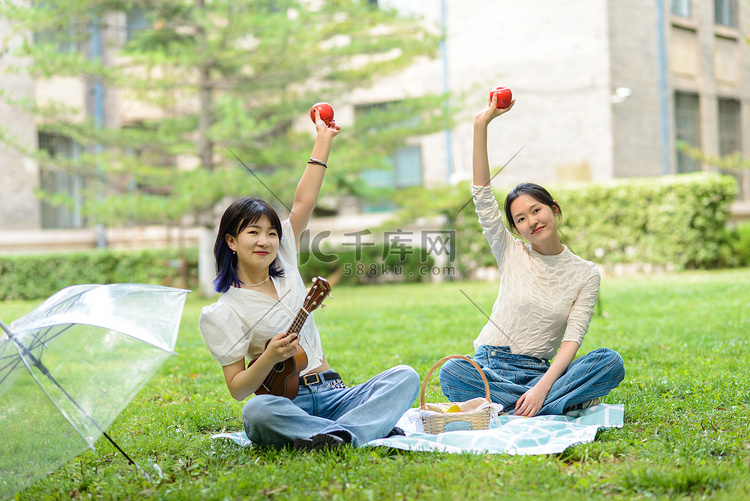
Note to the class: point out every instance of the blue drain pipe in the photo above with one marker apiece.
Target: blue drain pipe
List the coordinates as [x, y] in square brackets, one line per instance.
[446, 89]
[663, 91]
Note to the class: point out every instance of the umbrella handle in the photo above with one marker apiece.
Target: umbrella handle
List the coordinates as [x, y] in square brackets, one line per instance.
[148, 477]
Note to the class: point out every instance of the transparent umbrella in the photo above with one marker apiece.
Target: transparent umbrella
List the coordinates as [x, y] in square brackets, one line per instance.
[70, 366]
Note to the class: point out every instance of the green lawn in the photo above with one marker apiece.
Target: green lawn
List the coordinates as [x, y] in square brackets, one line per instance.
[685, 339]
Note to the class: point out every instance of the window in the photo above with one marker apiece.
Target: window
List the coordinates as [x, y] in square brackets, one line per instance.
[405, 161]
[680, 7]
[55, 181]
[135, 21]
[407, 171]
[687, 129]
[730, 141]
[725, 13]
[64, 40]
[729, 127]
[63, 34]
[378, 178]
[408, 166]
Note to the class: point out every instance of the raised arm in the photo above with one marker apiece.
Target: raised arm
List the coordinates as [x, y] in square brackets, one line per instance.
[482, 120]
[308, 189]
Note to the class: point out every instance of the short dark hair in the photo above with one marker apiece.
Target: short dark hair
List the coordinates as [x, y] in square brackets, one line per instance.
[238, 216]
[536, 192]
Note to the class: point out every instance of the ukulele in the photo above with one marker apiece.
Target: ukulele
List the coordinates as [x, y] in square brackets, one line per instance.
[283, 380]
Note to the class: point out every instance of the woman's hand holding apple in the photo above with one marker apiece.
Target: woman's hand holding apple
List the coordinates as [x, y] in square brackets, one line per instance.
[503, 97]
[492, 110]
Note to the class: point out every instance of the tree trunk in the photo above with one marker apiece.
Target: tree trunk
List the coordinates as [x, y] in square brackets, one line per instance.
[206, 111]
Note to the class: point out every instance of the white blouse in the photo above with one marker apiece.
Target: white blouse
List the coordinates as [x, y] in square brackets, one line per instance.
[242, 321]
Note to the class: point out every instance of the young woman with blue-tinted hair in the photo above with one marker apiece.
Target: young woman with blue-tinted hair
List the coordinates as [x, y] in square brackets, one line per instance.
[545, 302]
[243, 214]
[262, 293]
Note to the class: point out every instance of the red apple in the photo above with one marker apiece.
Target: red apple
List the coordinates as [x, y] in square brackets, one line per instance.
[325, 110]
[504, 96]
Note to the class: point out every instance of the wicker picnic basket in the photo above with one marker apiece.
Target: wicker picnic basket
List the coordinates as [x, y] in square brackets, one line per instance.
[439, 422]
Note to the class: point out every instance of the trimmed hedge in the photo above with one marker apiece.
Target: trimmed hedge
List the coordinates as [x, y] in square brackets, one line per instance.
[735, 247]
[676, 220]
[671, 221]
[370, 265]
[36, 276]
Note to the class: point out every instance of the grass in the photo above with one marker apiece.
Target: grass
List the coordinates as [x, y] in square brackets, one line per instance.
[685, 339]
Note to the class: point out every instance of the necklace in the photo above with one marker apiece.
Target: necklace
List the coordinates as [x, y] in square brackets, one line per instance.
[255, 285]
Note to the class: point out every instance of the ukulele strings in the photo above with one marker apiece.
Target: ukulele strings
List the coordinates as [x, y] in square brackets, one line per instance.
[299, 320]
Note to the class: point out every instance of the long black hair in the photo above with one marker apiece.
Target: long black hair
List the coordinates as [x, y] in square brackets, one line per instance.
[238, 216]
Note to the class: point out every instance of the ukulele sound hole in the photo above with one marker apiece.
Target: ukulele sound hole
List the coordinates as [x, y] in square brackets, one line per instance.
[279, 367]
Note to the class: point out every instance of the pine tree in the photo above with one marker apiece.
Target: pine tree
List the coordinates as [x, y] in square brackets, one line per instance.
[220, 78]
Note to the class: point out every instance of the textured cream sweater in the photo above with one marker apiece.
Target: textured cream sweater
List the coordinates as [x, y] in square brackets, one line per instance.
[543, 300]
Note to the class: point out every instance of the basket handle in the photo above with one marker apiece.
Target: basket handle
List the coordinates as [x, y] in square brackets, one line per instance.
[444, 359]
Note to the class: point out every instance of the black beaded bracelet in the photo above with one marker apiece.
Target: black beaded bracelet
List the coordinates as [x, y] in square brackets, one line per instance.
[317, 162]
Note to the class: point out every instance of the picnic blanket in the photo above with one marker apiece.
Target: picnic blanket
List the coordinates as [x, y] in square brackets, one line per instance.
[507, 434]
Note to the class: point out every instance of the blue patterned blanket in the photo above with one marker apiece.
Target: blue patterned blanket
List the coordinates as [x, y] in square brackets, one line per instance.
[507, 434]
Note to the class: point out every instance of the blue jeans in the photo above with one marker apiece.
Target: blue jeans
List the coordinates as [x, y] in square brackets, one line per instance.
[367, 411]
[510, 376]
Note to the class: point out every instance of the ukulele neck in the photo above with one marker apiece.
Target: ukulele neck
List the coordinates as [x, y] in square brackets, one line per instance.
[298, 322]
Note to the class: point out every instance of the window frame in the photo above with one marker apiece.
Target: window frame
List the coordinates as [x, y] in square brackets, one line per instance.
[682, 8]
[726, 13]
[55, 181]
[687, 129]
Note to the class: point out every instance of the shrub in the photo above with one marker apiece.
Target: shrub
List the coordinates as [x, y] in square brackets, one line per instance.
[677, 221]
[38, 276]
[735, 246]
[671, 221]
[368, 265]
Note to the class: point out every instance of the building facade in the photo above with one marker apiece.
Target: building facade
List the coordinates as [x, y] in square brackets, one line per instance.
[19, 208]
[604, 90]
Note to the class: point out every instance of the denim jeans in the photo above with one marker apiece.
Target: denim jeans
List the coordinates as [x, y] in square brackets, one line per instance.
[367, 411]
[510, 376]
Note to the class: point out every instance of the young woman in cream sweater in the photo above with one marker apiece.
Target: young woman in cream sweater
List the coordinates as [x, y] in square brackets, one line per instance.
[543, 309]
